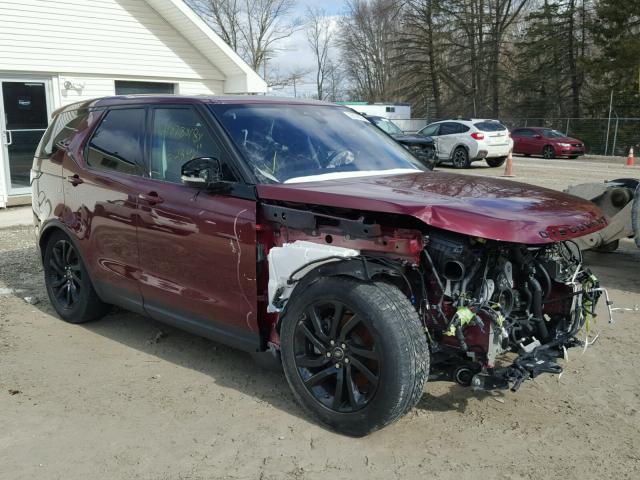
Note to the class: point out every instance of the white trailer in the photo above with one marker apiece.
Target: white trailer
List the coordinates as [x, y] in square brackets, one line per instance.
[387, 110]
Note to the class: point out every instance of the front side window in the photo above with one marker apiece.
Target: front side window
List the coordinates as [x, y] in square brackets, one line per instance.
[177, 136]
[430, 130]
[295, 143]
[117, 143]
[548, 133]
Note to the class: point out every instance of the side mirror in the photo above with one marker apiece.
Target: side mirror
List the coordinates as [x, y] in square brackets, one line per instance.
[537, 136]
[204, 173]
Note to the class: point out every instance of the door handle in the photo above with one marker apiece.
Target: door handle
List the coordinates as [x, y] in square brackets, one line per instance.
[152, 198]
[75, 180]
[8, 137]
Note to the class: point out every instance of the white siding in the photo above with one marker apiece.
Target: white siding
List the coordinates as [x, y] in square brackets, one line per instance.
[104, 37]
[210, 87]
[97, 86]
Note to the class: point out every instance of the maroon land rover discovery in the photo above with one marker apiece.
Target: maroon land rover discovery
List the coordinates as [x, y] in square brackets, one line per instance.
[299, 229]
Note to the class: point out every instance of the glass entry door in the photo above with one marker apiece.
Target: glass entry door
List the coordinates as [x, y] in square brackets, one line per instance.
[23, 120]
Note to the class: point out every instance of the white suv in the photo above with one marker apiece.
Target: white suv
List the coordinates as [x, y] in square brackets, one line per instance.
[464, 141]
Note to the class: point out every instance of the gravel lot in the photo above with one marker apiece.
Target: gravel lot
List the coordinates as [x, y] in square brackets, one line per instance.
[129, 398]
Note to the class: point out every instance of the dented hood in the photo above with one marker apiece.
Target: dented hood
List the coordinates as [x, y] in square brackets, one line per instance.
[478, 206]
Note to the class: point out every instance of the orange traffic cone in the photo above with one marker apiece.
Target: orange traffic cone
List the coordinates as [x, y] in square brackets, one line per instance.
[508, 169]
[630, 159]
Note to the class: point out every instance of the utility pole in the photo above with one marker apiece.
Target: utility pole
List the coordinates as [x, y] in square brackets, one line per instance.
[606, 148]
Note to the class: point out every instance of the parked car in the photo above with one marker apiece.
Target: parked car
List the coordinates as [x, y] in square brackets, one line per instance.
[421, 146]
[461, 142]
[546, 142]
[298, 231]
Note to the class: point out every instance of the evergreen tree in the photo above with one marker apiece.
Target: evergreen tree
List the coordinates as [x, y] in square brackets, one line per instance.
[615, 66]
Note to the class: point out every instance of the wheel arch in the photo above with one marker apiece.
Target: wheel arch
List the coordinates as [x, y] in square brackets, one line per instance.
[49, 229]
[548, 145]
[54, 226]
[357, 268]
[458, 145]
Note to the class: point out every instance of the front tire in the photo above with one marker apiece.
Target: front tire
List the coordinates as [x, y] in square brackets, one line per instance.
[354, 353]
[460, 158]
[68, 284]
[496, 162]
[548, 152]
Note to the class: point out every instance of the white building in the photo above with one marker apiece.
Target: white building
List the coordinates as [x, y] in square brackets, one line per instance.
[55, 52]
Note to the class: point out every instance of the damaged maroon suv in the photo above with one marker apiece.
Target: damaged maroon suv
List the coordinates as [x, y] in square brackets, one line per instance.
[298, 229]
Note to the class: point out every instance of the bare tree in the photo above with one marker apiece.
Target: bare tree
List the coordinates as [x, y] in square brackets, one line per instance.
[320, 37]
[253, 28]
[293, 78]
[366, 35]
[225, 17]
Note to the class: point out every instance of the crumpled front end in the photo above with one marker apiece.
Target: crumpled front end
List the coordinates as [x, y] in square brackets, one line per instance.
[495, 313]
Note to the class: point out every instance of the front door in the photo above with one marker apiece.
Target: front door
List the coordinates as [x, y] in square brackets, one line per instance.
[197, 249]
[24, 115]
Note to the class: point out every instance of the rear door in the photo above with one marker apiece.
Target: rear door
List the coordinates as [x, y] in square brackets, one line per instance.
[527, 141]
[517, 137]
[450, 135]
[100, 178]
[197, 249]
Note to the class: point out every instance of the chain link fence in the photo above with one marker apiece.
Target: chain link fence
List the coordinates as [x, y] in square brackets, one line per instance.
[601, 136]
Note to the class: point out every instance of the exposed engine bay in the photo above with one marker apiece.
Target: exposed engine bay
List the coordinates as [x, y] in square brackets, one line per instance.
[487, 298]
[480, 301]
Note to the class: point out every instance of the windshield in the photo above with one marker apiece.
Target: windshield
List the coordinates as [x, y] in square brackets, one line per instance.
[388, 126]
[293, 143]
[548, 133]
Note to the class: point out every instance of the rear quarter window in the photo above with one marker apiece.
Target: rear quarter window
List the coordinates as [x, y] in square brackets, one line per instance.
[490, 126]
[61, 131]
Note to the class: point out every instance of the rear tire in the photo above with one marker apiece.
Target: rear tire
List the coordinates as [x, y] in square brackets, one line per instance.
[496, 162]
[460, 158]
[573, 157]
[608, 247]
[68, 284]
[374, 371]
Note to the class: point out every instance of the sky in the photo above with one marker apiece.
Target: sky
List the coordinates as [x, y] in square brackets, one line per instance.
[296, 52]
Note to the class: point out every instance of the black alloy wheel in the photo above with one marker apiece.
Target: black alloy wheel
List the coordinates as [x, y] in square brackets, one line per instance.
[461, 158]
[65, 274]
[336, 356]
[67, 280]
[354, 353]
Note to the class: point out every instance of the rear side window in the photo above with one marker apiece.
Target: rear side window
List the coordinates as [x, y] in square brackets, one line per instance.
[490, 126]
[61, 131]
[524, 132]
[451, 128]
[117, 143]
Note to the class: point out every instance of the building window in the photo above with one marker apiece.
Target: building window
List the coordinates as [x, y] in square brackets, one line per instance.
[126, 87]
[391, 109]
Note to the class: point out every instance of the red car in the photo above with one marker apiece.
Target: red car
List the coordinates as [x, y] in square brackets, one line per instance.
[546, 142]
[299, 231]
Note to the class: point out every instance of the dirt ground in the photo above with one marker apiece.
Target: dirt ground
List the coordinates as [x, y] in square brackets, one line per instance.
[129, 398]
